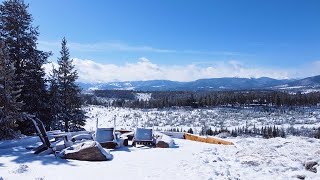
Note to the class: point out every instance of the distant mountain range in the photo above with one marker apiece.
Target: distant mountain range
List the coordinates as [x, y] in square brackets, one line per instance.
[312, 83]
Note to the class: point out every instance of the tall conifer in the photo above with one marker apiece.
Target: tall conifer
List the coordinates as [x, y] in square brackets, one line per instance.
[9, 105]
[71, 112]
[20, 37]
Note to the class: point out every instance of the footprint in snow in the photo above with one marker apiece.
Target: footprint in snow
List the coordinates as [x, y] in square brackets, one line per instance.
[39, 178]
[205, 161]
[21, 169]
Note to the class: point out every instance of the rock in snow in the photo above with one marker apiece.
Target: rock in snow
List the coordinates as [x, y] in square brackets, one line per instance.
[309, 165]
[163, 141]
[162, 144]
[86, 151]
[301, 176]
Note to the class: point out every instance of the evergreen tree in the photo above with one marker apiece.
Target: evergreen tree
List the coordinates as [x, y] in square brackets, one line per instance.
[54, 100]
[254, 129]
[234, 133]
[190, 131]
[317, 134]
[264, 132]
[203, 131]
[21, 39]
[283, 133]
[269, 132]
[9, 106]
[209, 132]
[71, 112]
[274, 132]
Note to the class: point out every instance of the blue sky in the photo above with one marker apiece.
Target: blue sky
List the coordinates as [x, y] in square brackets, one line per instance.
[266, 35]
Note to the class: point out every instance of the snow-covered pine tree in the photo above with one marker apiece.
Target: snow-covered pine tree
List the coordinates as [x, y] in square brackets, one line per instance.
[35, 91]
[71, 112]
[9, 106]
[21, 39]
[55, 103]
[190, 131]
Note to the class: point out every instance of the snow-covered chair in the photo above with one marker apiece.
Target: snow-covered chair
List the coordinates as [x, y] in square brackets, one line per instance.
[143, 136]
[61, 140]
[53, 141]
[107, 138]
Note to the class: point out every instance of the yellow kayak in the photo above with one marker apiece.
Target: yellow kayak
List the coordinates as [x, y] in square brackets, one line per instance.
[210, 140]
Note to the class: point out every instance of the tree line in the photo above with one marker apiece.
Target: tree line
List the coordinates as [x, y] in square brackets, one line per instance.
[165, 99]
[25, 91]
[264, 131]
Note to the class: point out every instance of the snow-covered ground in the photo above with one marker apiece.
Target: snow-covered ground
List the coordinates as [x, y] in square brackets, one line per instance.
[143, 96]
[249, 158]
[186, 118]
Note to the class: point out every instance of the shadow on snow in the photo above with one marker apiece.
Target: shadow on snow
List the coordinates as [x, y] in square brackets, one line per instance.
[18, 153]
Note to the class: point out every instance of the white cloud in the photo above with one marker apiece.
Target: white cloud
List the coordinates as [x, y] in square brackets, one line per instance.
[144, 69]
[48, 67]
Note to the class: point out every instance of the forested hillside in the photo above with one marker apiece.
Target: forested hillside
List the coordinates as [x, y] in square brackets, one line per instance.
[163, 99]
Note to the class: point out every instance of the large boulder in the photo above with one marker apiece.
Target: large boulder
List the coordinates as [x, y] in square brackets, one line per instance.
[163, 141]
[162, 144]
[86, 151]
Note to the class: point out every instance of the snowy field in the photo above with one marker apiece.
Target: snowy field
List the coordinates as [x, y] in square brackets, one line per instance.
[250, 157]
[186, 118]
